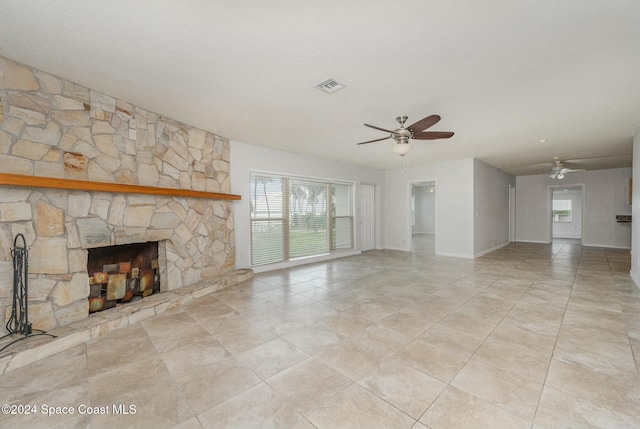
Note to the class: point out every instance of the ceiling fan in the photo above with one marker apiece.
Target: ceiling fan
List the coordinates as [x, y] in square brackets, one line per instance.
[403, 134]
[559, 170]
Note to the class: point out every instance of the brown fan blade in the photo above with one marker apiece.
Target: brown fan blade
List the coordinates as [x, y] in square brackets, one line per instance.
[425, 123]
[378, 128]
[376, 140]
[432, 135]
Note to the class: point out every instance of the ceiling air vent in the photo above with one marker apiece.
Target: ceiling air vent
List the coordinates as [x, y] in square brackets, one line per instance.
[330, 85]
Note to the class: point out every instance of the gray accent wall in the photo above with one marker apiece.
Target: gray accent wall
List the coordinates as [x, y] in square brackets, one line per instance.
[491, 207]
[605, 196]
[635, 226]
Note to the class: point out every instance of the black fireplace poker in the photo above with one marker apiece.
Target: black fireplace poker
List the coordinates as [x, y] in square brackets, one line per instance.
[18, 323]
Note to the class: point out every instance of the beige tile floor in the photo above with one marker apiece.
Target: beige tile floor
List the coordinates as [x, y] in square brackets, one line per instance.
[529, 336]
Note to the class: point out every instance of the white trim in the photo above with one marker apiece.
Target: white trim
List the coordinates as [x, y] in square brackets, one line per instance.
[494, 248]
[454, 255]
[532, 241]
[576, 236]
[397, 248]
[608, 246]
[301, 176]
[376, 214]
[635, 278]
[306, 260]
[583, 216]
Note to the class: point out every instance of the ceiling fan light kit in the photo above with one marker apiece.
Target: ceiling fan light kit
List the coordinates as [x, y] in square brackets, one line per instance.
[401, 148]
[403, 135]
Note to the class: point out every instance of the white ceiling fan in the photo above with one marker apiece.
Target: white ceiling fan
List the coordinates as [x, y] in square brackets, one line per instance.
[559, 170]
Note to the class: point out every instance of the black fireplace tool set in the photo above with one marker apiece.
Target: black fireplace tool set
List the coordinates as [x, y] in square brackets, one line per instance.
[18, 323]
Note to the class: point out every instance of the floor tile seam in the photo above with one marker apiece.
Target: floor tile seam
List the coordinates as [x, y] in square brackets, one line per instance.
[32, 397]
[217, 338]
[590, 401]
[555, 345]
[499, 406]
[148, 323]
[309, 355]
[532, 419]
[197, 415]
[178, 390]
[485, 340]
[130, 395]
[316, 405]
[132, 362]
[636, 356]
[357, 382]
[447, 386]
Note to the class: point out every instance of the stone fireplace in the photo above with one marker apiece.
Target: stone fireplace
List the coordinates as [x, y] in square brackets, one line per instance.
[53, 128]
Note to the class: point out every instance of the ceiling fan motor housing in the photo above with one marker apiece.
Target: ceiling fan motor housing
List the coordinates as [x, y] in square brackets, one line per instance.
[402, 135]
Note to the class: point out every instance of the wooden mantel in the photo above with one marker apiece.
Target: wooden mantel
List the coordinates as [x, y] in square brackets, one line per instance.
[82, 185]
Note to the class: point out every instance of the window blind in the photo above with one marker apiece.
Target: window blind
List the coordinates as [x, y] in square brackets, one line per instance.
[294, 217]
[342, 216]
[267, 219]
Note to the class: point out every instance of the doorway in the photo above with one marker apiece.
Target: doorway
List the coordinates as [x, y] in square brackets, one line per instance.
[567, 213]
[367, 217]
[423, 217]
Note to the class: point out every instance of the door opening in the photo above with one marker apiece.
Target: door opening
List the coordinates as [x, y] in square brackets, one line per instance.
[567, 209]
[423, 217]
[367, 217]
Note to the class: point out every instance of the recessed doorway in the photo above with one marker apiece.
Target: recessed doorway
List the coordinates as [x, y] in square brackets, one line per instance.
[423, 217]
[566, 214]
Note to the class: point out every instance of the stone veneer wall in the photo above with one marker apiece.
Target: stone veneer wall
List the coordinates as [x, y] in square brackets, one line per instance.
[51, 127]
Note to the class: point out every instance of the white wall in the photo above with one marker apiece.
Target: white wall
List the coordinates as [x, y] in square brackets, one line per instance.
[246, 158]
[454, 206]
[635, 225]
[425, 210]
[571, 229]
[605, 196]
[491, 207]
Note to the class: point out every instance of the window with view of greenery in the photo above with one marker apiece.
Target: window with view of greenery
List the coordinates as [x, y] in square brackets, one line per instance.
[295, 217]
[562, 211]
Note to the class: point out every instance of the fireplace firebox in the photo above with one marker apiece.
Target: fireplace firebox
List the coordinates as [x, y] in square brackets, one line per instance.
[122, 274]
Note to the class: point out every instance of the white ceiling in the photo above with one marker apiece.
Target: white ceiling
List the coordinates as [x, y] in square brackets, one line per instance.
[502, 74]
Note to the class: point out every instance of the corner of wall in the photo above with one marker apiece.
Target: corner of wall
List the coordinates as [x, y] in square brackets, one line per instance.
[635, 212]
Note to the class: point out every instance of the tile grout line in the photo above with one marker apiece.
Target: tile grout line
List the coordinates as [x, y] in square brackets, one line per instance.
[564, 312]
[476, 350]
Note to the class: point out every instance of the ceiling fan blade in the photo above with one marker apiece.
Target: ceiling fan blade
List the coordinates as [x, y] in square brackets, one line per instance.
[432, 135]
[423, 124]
[572, 170]
[376, 140]
[378, 128]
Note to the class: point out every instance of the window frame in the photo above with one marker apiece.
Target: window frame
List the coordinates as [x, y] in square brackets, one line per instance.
[330, 220]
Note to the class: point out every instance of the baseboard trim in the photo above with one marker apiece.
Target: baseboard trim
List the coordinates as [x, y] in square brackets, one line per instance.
[455, 255]
[607, 246]
[397, 248]
[636, 278]
[493, 249]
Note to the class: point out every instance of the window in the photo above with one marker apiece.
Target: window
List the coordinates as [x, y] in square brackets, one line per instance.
[295, 217]
[562, 211]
